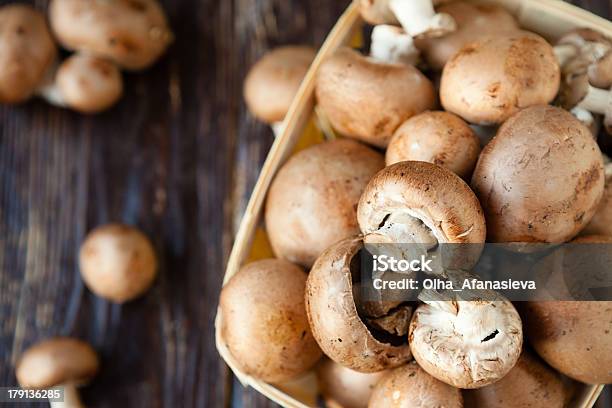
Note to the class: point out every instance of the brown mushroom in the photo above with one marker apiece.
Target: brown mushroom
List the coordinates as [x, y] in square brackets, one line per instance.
[601, 223]
[491, 79]
[312, 201]
[274, 80]
[27, 52]
[368, 100]
[427, 205]
[529, 384]
[333, 313]
[117, 262]
[466, 343]
[58, 362]
[131, 33]
[540, 179]
[474, 21]
[264, 321]
[575, 337]
[86, 84]
[410, 386]
[436, 137]
[342, 387]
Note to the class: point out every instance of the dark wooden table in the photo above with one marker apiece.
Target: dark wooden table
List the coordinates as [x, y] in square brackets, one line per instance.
[177, 157]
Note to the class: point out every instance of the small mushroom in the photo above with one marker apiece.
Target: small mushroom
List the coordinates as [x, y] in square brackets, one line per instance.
[436, 137]
[264, 324]
[58, 362]
[574, 337]
[368, 100]
[342, 387]
[131, 33]
[336, 324]
[27, 52]
[410, 386]
[117, 262]
[391, 44]
[312, 201]
[467, 344]
[424, 204]
[474, 21]
[85, 83]
[601, 223]
[540, 179]
[417, 17]
[491, 79]
[529, 384]
[274, 80]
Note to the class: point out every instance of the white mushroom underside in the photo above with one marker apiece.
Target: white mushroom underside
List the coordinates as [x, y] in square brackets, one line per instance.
[390, 44]
[476, 342]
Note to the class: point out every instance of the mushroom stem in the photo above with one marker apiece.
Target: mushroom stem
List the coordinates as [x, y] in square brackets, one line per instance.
[565, 52]
[391, 44]
[419, 18]
[596, 100]
[71, 398]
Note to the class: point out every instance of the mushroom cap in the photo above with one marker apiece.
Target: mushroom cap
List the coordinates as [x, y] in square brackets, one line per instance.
[89, 84]
[117, 262]
[410, 386]
[575, 338]
[57, 361]
[368, 100]
[540, 179]
[473, 21]
[274, 80]
[430, 193]
[377, 12]
[601, 223]
[264, 320]
[529, 384]
[333, 316]
[467, 344]
[342, 387]
[436, 137]
[131, 33]
[491, 79]
[27, 52]
[312, 201]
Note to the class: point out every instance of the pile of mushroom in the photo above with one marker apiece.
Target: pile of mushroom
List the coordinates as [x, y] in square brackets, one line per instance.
[542, 179]
[106, 36]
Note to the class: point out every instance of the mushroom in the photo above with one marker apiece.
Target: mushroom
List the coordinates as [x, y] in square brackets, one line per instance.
[368, 100]
[117, 262]
[274, 80]
[530, 383]
[312, 201]
[85, 83]
[391, 44]
[467, 343]
[410, 386]
[264, 324]
[575, 337]
[491, 79]
[427, 205]
[601, 223]
[474, 21]
[417, 17]
[27, 52]
[540, 179]
[342, 387]
[436, 137]
[58, 362]
[342, 333]
[131, 33]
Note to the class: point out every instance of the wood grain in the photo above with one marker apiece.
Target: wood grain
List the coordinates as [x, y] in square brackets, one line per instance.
[177, 157]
